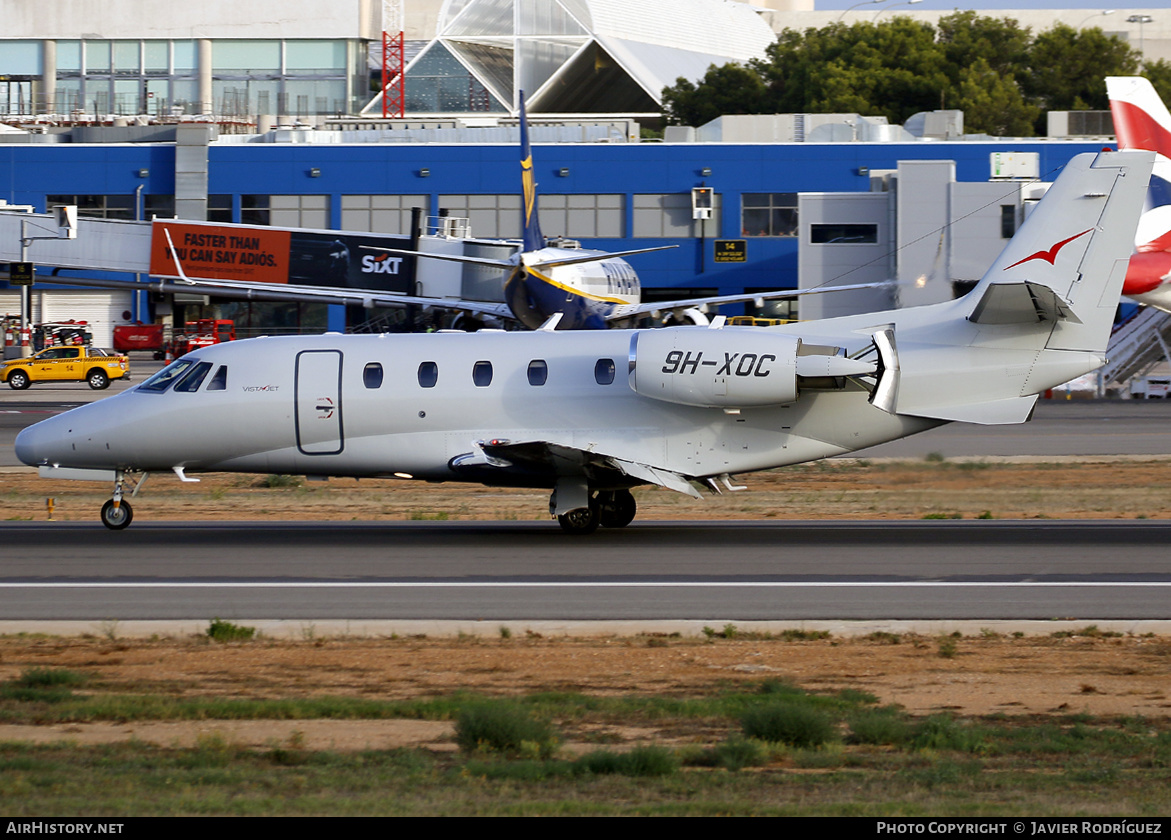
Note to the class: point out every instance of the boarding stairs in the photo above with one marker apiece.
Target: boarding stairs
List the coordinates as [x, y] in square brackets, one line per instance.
[1137, 345]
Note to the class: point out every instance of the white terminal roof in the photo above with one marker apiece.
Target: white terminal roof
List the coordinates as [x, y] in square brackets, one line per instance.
[216, 19]
[562, 53]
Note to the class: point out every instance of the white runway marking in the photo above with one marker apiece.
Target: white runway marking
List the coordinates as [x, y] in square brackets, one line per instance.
[586, 585]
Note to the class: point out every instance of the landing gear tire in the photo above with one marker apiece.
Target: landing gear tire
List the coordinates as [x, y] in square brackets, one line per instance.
[117, 518]
[581, 521]
[18, 380]
[98, 380]
[616, 508]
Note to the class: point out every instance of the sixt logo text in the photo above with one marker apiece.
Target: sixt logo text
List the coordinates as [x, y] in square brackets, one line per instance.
[749, 364]
[380, 265]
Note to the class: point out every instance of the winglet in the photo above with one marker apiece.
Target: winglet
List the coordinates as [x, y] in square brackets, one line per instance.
[175, 256]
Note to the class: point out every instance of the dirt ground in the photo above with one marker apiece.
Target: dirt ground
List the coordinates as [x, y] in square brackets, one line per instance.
[1098, 675]
[1117, 487]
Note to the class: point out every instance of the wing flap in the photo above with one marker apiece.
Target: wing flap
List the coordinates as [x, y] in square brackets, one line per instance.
[548, 458]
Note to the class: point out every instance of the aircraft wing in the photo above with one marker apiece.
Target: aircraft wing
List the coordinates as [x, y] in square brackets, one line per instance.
[546, 457]
[367, 298]
[629, 310]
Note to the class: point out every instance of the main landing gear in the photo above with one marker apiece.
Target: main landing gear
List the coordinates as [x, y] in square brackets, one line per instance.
[608, 508]
[117, 514]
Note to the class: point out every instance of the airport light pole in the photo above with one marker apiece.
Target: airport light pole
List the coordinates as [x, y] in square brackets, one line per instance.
[856, 5]
[1094, 15]
[1141, 20]
[66, 228]
[901, 3]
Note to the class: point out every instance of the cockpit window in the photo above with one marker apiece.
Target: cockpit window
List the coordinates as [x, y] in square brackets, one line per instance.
[191, 380]
[219, 382]
[167, 377]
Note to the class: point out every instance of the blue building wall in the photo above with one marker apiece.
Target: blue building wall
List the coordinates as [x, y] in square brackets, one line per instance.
[28, 173]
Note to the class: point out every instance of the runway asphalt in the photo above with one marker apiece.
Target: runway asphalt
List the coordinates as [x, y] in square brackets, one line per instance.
[917, 571]
[738, 571]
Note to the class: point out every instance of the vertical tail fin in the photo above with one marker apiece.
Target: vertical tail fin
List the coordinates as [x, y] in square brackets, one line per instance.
[1141, 121]
[530, 223]
[1070, 255]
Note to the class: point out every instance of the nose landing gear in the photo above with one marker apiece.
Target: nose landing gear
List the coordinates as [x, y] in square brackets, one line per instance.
[117, 514]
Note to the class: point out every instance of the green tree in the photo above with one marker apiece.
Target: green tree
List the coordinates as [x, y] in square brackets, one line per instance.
[730, 89]
[1159, 74]
[894, 68]
[993, 68]
[967, 37]
[1068, 68]
[993, 103]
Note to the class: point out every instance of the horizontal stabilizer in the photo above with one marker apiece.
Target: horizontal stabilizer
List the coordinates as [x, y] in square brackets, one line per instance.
[630, 310]
[1020, 303]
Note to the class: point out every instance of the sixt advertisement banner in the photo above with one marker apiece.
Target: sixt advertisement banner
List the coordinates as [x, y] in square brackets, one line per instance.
[280, 255]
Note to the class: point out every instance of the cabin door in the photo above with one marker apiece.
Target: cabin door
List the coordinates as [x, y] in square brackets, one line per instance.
[318, 398]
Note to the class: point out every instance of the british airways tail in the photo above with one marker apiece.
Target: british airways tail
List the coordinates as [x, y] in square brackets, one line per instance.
[1141, 121]
[530, 221]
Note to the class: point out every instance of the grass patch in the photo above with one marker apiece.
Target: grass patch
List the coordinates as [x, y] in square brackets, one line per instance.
[504, 727]
[225, 631]
[789, 723]
[43, 685]
[880, 727]
[276, 482]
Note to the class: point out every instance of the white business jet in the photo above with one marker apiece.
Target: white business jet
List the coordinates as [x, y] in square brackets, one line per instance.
[591, 414]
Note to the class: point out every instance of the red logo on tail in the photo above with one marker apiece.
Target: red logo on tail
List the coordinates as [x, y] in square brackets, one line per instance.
[1051, 255]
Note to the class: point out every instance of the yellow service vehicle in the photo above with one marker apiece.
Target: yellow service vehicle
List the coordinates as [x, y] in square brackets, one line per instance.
[65, 364]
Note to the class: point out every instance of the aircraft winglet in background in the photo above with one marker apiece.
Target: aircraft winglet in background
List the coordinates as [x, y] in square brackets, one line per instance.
[591, 414]
[1141, 121]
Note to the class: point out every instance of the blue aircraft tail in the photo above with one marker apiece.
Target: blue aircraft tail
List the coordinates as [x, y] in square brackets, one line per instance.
[530, 223]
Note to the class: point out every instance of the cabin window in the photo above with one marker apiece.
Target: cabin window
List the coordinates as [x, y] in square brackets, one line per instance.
[193, 378]
[428, 374]
[538, 372]
[372, 375]
[482, 374]
[604, 372]
[219, 382]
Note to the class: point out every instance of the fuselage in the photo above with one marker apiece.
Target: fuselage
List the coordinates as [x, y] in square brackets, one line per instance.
[411, 405]
[586, 293]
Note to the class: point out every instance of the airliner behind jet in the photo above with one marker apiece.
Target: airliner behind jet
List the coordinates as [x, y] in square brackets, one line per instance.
[579, 288]
[1141, 121]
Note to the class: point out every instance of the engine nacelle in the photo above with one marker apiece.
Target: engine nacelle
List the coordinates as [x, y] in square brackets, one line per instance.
[711, 368]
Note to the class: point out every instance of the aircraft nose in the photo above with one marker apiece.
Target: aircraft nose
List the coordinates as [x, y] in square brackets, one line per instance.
[35, 445]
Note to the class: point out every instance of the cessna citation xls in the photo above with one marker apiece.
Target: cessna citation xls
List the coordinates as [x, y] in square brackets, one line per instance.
[591, 414]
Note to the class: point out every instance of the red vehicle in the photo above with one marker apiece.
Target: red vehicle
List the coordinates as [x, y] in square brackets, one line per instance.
[202, 333]
[138, 337]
